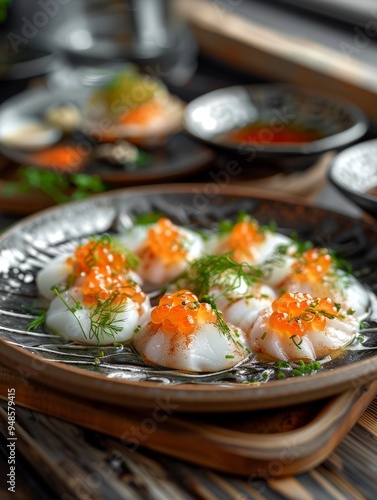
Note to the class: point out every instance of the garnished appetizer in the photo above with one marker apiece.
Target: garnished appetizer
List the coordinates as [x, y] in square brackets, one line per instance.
[69, 268]
[247, 241]
[235, 287]
[133, 106]
[186, 334]
[316, 272]
[299, 326]
[163, 248]
[98, 301]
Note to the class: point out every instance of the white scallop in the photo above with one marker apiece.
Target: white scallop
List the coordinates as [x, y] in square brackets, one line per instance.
[153, 269]
[205, 350]
[56, 271]
[313, 345]
[77, 326]
[241, 310]
[346, 291]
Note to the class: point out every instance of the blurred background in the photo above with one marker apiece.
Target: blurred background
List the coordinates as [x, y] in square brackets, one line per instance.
[193, 47]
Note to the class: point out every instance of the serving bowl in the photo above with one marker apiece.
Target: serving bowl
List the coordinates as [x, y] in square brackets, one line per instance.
[285, 125]
[354, 173]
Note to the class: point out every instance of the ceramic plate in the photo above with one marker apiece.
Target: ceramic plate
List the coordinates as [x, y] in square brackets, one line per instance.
[179, 156]
[114, 374]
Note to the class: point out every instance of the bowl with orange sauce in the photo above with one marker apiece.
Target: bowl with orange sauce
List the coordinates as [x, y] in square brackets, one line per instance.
[281, 124]
[354, 173]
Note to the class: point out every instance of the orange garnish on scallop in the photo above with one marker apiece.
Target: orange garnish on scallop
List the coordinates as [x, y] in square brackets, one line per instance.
[297, 313]
[166, 241]
[181, 312]
[103, 274]
[243, 237]
[141, 114]
[312, 265]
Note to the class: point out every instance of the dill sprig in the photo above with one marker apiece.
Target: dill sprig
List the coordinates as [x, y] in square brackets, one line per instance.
[103, 318]
[216, 271]
[38, 321]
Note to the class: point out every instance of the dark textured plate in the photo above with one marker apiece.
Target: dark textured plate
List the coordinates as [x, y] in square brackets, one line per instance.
[116, 375]
[354, 173]
[180, 156]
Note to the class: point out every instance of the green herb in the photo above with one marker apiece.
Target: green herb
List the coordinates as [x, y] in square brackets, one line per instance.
[229, 356]
[282, 364]
[292, 337]
[216, 271]
[147, 218]
[59, 188]
[4, 5]
[360, 338]
[350, 311]
[264, 335]
[363, 325]
[280, 374]
[37, 322]
[137, 329]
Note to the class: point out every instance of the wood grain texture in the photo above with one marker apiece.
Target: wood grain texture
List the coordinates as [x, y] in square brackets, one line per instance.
[236, 443]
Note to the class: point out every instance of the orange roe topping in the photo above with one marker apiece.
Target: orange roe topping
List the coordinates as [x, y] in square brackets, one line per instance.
[165, 240]
[243, 237]
[181, 312]
[312, 265]
[103, 272]
[141, 114]
[297, 313]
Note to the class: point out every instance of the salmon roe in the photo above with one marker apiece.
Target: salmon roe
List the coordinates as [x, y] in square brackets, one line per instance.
[297, 313]
[166, 240]
[103, 273]
[313, 265]
[181, 312]
[242, 240]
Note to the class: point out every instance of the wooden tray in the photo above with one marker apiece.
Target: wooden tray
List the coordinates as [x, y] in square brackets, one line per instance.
[295, 439]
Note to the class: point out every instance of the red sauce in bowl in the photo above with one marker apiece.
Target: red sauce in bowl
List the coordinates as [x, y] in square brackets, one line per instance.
[266, 134]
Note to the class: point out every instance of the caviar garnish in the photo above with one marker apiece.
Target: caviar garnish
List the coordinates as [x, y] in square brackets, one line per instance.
[167, 241]
[181, 312]
[294, 314]
[242, 240]
[312, 265]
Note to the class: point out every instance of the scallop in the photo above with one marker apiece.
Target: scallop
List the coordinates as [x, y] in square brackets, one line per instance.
[298, 326]
[68, 317]
[164, 249]
[183, 334]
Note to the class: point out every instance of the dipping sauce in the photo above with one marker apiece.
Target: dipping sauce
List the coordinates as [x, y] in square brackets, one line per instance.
[264, 133]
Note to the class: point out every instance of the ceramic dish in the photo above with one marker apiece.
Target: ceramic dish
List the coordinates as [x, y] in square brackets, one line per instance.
[113, 374]
[180, 156]
[354, 173]
[290, 125]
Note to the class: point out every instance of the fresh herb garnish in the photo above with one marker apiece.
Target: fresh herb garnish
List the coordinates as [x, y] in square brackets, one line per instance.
[216, 271]
[38, 321]
[297, 344]
[147, 218]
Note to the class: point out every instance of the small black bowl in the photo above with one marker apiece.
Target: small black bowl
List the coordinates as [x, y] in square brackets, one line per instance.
[354, 173]
[316, 123]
